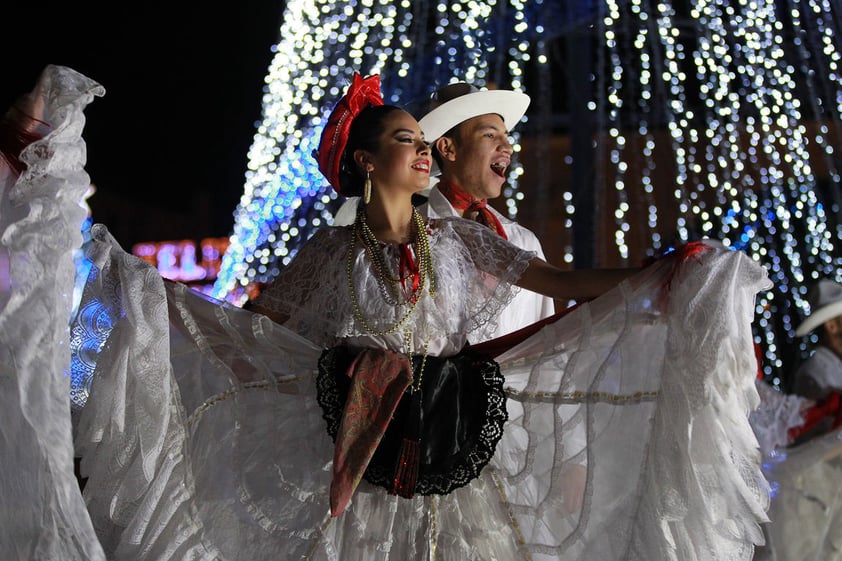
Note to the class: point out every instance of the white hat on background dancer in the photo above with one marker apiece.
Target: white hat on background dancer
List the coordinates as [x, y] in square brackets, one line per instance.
[825, 299]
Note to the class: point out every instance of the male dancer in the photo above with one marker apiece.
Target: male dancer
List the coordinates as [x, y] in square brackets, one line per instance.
[468, 131]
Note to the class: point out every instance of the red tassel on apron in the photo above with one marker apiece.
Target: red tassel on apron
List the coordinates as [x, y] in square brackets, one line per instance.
[406, 467]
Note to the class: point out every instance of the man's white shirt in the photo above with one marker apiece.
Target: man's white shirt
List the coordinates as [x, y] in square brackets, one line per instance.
[526, 307]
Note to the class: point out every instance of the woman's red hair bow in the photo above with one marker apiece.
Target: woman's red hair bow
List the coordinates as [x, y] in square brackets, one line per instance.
[362, 93]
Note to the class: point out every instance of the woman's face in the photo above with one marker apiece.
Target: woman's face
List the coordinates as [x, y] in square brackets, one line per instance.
[402, 160]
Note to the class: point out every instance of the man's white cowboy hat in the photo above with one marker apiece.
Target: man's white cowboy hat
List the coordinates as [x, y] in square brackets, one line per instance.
[825, 299]
[458, 102]
[455, 103]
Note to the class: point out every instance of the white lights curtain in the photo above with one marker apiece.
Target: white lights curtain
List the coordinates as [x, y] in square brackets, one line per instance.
[739, 102]
[710, 118]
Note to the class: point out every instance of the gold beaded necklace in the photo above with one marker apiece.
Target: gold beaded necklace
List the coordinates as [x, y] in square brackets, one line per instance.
[389, 286]
[426, 279]
[408, 455]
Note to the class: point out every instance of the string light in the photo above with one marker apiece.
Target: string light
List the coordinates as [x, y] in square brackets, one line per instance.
[723, 76]
[737, 103]
[285, 197]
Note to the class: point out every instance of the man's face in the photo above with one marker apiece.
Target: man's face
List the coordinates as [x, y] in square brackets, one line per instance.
[832, 337]
[478, 159]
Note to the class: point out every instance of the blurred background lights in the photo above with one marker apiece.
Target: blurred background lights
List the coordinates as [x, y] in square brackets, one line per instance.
[708, 118]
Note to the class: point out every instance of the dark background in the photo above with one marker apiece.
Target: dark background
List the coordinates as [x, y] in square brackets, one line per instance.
[168, 143]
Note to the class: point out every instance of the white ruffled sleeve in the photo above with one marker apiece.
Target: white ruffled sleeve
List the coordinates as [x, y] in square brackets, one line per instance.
[495, 265]
[44, 516]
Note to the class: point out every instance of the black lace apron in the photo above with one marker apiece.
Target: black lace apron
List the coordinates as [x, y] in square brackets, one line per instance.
[459, 416]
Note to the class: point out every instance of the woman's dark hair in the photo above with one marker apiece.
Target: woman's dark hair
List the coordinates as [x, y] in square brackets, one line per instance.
[364, 134]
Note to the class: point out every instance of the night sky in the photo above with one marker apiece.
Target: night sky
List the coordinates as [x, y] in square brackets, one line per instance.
[168, 143]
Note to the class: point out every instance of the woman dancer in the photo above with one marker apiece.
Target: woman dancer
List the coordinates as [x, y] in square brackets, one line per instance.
[213, 432]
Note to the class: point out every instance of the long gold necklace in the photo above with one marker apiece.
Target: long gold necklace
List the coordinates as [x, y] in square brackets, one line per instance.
[388, 284]
[407, 461]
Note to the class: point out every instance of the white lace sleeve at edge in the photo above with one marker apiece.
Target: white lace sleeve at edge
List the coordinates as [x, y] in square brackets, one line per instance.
[44, 516]
[499, 264]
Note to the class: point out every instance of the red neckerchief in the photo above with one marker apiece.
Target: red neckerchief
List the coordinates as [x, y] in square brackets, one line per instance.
[468, 204]
[408, 269]
[830, 406]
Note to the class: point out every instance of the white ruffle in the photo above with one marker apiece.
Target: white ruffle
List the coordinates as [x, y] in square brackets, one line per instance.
[665, 390]
[40, 224]
[649, 397]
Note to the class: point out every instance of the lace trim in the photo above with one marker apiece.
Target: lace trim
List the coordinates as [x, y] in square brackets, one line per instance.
[467, 467]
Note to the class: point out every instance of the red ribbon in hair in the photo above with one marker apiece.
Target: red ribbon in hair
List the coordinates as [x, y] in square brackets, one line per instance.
[362, 93]
[468, 205]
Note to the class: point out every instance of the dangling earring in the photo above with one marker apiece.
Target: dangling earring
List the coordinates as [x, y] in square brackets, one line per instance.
[367, 186]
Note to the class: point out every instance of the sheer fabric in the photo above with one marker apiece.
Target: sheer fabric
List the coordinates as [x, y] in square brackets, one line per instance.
[474, 276]
[668, 448]
[806, 509]
[40, 219]
[628, 434]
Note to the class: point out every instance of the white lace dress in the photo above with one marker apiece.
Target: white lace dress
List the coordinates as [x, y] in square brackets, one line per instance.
[201, 437]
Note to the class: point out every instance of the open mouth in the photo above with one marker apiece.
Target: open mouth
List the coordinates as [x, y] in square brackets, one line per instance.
[423, 167]
[499, 168]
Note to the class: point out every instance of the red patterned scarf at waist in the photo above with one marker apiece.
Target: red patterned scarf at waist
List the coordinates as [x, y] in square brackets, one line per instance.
[378, 379]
